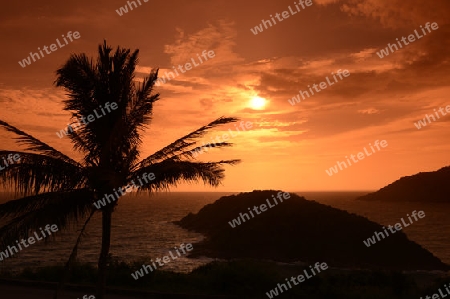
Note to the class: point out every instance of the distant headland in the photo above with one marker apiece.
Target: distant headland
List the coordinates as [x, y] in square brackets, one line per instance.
[431, 186]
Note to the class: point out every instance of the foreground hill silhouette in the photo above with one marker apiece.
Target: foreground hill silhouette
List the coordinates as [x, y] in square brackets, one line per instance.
[431, 186]
[301, 230]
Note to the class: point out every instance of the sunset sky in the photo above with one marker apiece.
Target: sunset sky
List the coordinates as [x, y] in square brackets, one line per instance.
[289, 146]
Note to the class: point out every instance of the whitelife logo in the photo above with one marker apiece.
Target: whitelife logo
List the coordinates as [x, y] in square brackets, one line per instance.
[360, 156]
[123, 191]
[397, 226]
[87, 119]
[285, 14]
[411, 38]
[10, 159]
[301, 278]
[166, 259]
[281, 195]
[322, 86]
[53, 48]
[123, 10]
[187, 66]
[423, 123]
[206, 146]
[440, 295]
[31, 240]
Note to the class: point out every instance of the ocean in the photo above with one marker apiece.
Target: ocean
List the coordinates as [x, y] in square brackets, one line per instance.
[142, 228]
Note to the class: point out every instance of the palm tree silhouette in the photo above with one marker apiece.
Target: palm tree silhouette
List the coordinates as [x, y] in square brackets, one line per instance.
[59, 190]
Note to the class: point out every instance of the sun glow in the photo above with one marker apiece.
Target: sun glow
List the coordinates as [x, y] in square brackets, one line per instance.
[258, 103]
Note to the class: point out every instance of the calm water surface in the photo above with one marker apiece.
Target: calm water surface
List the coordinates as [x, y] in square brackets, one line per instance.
[142, 227]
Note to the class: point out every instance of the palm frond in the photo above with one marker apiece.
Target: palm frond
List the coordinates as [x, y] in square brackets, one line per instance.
[34, 144]
[111, 137]
[182, 144]
[170, 173]
[193, 152]
[90, 159]
[79, 76]
[39, 173]
[61, 208]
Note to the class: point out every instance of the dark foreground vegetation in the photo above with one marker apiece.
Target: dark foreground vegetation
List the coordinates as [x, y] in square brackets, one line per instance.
[251, 279]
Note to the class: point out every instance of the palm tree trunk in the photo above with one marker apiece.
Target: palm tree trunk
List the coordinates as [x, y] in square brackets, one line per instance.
[104, 254]
[72, 257]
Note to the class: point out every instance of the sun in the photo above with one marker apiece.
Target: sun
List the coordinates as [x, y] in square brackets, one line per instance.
[258, 103]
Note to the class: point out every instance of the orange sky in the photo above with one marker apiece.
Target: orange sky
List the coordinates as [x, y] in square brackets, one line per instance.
[289, 147]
